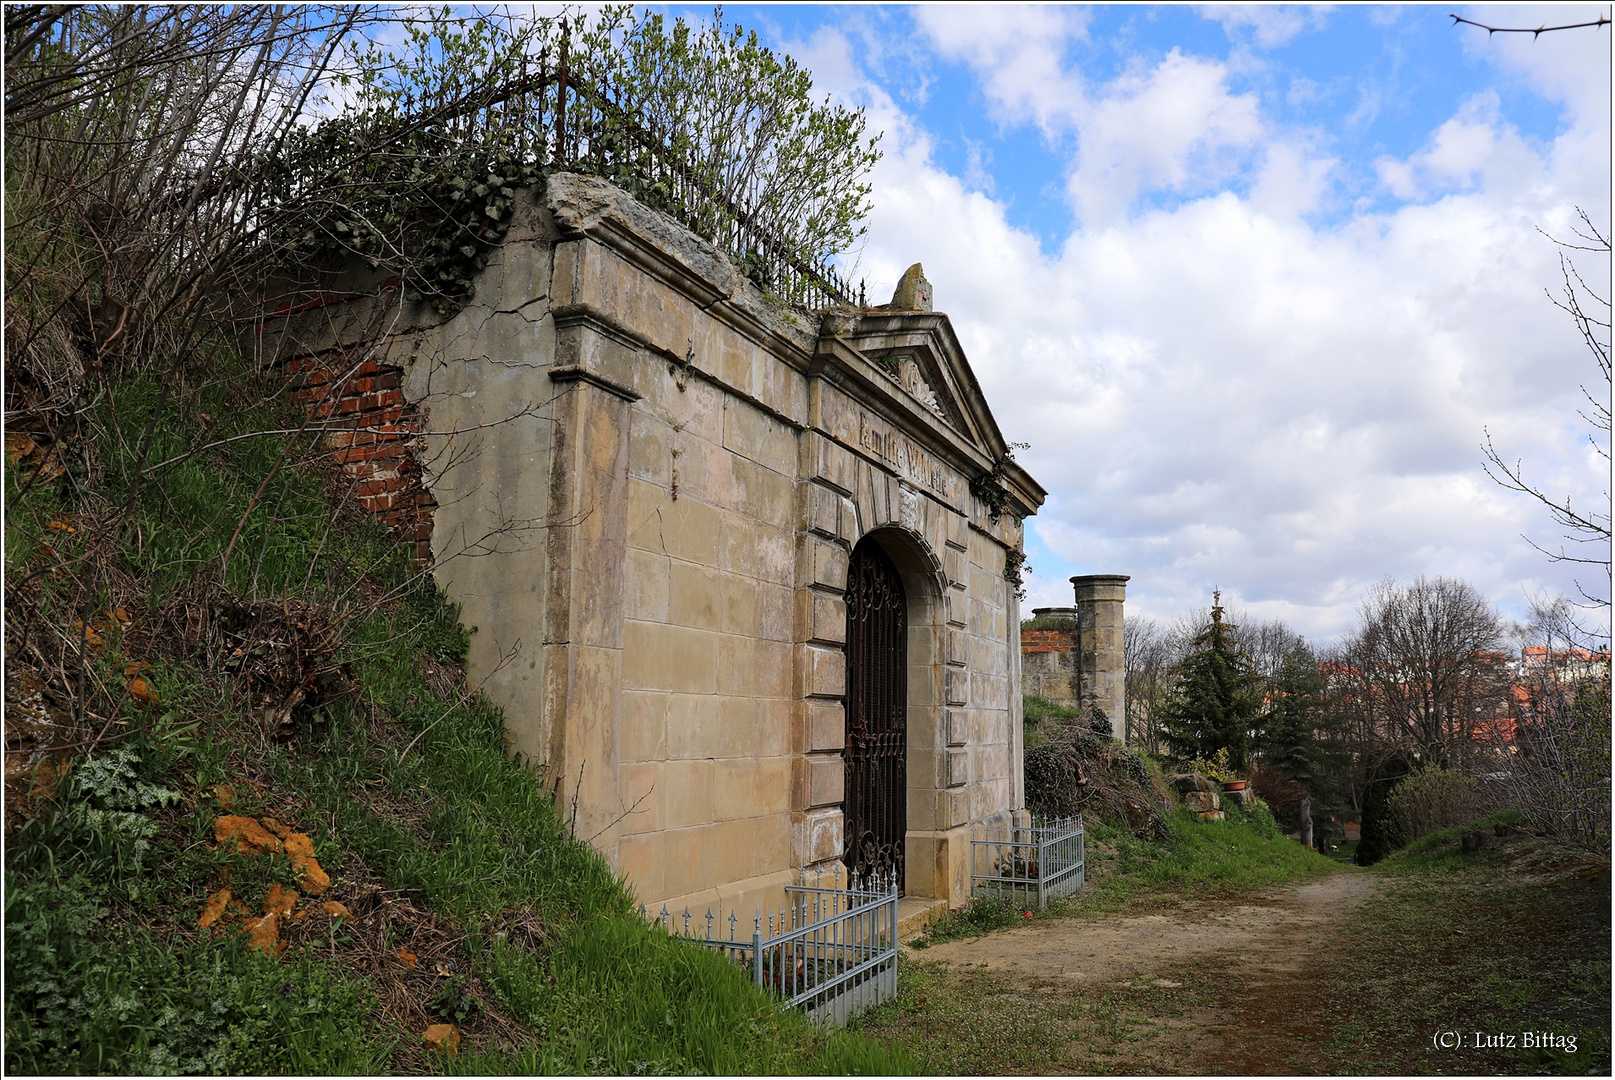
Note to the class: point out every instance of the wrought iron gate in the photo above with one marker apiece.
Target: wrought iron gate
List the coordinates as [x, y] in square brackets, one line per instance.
[877, 707]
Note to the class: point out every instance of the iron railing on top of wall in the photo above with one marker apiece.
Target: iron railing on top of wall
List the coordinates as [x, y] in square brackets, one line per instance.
[575, 119]
[1028, 866]
[831, 951]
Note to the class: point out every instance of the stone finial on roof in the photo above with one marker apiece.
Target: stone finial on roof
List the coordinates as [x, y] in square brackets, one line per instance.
[913, 291]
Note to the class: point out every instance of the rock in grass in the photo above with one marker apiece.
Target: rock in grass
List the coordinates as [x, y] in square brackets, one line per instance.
[280, 900]
[243, 834]
[307, 868]
[264, 934]
[214, 909]
[443, 1037]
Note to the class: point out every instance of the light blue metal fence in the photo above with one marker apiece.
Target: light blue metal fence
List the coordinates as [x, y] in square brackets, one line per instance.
[1027, 866]
[831, 951]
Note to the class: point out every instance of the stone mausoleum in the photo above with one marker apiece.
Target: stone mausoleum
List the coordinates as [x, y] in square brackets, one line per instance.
[742, 578]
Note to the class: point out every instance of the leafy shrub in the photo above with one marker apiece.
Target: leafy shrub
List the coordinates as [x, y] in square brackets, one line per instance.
[138, 1004]
[1436, 799]
[1217, 767]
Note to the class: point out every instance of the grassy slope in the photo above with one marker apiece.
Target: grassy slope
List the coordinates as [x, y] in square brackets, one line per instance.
[450, 851]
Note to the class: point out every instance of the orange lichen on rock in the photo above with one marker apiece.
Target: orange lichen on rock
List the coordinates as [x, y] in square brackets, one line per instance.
[444, 1037]
[309, 873]
[273, 826]
[407, 957]
[214, 911]
[142, 691]
[280, 901]
[264, 935]
[244, 835]
[336, 909]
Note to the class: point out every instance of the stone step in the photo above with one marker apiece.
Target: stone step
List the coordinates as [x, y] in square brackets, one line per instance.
[914, 912]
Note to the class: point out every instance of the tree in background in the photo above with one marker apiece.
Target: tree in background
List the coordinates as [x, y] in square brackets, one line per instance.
[1290, 743]
[1214, 703]
[1149, 659]
[1422, 672]
[1553, 756]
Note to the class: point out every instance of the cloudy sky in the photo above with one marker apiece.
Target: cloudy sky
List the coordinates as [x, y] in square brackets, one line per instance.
[1252, 281]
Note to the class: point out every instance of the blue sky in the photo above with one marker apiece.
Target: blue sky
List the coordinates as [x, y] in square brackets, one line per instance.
[1363, 81]
[1252, 281]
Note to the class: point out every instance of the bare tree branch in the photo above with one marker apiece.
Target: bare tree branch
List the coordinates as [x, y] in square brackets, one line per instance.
[1537, 32]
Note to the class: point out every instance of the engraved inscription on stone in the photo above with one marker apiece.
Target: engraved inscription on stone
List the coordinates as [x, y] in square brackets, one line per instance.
[900, 452]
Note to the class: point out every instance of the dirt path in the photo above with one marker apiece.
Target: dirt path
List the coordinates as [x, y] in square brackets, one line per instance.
[1265, 941]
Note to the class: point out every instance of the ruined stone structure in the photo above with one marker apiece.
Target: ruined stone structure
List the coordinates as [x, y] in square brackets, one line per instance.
[667, 505]
[1073, 655]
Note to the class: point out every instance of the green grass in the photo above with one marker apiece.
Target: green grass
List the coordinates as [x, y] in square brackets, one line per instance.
[1243, 853]
[105, 971]
[1512, 939]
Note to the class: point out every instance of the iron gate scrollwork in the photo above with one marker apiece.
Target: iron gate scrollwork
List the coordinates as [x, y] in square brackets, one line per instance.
[877, 706]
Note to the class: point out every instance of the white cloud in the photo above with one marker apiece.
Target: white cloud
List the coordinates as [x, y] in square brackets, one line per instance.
[1272, 24]
[1175, 127]
[1473, 149]
[1018, 52]
[1221, 393]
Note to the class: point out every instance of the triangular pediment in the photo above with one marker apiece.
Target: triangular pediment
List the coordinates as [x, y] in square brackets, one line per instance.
[910, 366]
[918, 353]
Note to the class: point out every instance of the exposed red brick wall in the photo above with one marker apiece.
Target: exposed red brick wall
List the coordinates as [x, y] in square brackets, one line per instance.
[374, 428]
[1048, 640]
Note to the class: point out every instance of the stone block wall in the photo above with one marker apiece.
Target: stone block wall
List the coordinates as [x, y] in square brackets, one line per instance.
[648, 482]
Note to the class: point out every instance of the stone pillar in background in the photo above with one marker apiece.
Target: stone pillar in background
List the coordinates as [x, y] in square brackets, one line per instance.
[1100, 666]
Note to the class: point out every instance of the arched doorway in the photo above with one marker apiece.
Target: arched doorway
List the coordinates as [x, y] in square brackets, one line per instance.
[876, 751]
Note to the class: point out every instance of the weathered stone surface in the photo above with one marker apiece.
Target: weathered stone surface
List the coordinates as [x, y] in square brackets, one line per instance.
[215, 909]
[1201, 800]
[244, 834]
[264, 934]
[1211, 815]
[1190, 782]
[665, 474]
[444, 1038]
[300, 848]
[913, 292]
[280, 900]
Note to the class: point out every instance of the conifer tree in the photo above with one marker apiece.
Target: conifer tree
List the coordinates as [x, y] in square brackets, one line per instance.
[1214, 703]
[1294, 715]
